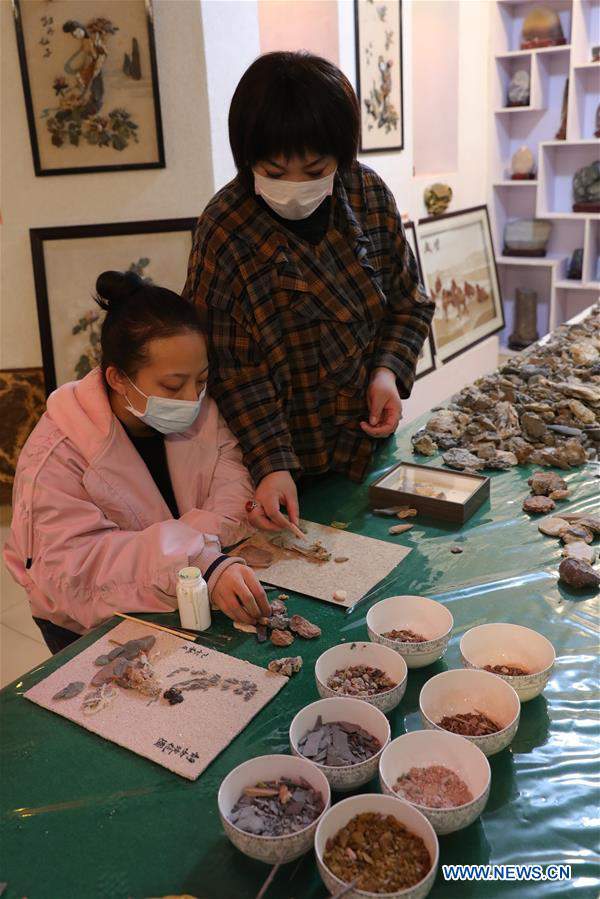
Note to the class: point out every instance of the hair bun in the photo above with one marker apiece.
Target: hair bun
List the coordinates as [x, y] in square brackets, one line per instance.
[114, 289]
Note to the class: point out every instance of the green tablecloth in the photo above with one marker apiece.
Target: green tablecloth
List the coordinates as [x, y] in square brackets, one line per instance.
[83, 818]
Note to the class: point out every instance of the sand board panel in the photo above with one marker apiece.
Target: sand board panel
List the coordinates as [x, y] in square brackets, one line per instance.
[369, 561]
[186, 737]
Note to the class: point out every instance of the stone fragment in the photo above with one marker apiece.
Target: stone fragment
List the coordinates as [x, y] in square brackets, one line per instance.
[456, 549]
[340, 559]
[446, 421]
[304, 628]
[537, 505]
[532, 425]
[559, 495]
[70, 691]
[552, 527]
[406, 513]
[578, 574]
[286, 666]
[281, 638]
[461, 460]
[580, 550]
[340, 595]
[245, 628]
[399, 528]
[543, 483]
[424, 445]
[574, 532]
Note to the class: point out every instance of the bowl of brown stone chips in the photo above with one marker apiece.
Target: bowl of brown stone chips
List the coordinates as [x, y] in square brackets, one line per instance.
[383, 846]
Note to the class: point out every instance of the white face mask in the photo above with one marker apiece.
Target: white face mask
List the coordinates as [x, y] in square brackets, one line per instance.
[293, 199]
[166, 415]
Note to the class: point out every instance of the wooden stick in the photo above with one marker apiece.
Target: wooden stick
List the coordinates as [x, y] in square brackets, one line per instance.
[268, 882]
[159, 627]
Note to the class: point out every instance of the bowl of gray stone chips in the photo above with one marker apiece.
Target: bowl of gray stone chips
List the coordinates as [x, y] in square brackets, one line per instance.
[343, 737]
[270, 806]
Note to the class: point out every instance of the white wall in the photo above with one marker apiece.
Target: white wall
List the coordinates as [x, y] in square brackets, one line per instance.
[181, 189]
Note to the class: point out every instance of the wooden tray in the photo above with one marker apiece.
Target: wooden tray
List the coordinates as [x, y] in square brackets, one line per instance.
[462, 493]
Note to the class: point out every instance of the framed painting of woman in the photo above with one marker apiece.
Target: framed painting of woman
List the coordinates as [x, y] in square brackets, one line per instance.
[91, 85]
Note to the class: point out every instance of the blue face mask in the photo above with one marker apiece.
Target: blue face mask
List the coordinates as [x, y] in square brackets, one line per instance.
[166, 415]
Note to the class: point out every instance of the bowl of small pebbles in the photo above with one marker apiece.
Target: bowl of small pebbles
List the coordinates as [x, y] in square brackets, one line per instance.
[477, 705]
[366, 671]
[343, 737]
[416, 627]
[519, 655]
[270, 806]
[383, 846]
[442, 774]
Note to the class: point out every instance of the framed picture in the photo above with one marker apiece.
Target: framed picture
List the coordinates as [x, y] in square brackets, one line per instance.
[458, 263]
[91, 85]
[425, 363]
[22, 400]
[66, 264]
[379, 74]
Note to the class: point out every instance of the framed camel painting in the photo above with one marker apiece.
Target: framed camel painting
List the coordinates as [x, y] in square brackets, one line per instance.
[459, 269]
[91, 85]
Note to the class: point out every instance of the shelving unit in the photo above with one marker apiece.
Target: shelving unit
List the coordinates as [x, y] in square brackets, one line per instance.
[549, 196]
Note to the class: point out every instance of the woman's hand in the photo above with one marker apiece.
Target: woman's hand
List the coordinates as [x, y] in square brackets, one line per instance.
[239, 595]
[275, 490]
[385, 405]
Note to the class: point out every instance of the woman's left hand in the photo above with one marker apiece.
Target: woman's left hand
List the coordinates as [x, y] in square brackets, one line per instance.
[385, 405]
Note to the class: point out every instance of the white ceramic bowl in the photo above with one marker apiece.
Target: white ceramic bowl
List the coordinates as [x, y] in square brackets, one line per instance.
[374, 654]
[419, 614]
[272, 850]
[339, 815]
[466, 690]
[511, 644]
[422, 748]
[354, 711]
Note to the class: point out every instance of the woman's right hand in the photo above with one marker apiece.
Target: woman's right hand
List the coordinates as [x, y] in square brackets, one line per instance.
[239, 595]
[275, 490]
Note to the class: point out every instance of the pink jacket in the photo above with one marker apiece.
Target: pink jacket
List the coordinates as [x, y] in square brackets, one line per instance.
[91, 533]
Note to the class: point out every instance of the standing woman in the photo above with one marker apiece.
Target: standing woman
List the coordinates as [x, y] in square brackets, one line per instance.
[307, 287]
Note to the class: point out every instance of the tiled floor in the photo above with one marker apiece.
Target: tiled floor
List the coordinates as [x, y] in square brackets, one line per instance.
[21, 643]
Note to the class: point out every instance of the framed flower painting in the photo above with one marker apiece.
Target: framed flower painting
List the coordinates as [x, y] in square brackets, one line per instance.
[66, 265]
[91, 85]
[378, 37]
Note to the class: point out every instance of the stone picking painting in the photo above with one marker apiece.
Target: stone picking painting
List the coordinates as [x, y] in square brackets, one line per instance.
[379, 74]
[66, 264]
[91, 86]
[458, 264]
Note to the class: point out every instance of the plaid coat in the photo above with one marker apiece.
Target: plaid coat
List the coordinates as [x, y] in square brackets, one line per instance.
[295, 330]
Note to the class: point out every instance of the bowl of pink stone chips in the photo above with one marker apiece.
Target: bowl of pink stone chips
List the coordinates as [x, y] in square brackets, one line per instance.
[270, 806]
[477, 705]
[343, 737]
[367, 671]
[416, 627]
[519, 655]
[442, 774]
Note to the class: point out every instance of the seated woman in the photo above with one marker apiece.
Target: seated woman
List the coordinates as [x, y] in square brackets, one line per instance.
[130, 475]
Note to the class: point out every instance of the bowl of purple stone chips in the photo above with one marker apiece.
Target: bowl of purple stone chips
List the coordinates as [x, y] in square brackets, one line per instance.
[370, 672]
[343, 737]
[477, 705]
[270, 806]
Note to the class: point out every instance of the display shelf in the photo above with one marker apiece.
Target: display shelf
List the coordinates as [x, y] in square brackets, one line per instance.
[550, 194]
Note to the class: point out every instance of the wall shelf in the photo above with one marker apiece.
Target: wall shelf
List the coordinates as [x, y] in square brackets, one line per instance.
[550, 194]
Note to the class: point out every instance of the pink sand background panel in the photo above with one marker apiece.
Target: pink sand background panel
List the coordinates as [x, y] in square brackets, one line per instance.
[184, 738]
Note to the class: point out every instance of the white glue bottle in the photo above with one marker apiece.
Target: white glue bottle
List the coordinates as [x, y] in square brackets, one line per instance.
[192, 598]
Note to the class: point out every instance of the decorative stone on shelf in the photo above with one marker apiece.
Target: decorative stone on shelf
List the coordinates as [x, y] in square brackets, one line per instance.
[519, 89]
[526, 237]
[525, 328]
[586, 188]
[437, 198]
[542, 28]
[575, 270]
[522, 165]
[561, 134]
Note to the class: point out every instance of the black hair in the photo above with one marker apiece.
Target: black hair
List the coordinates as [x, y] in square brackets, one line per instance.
[289, 103]
[137, 312]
